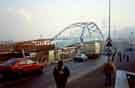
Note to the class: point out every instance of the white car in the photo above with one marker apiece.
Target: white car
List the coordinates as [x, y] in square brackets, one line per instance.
[80, 58]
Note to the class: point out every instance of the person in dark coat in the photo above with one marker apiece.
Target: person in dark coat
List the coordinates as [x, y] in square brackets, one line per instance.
[124, 55]
[114, 54]
[109, 70]
[61, 74]
[127, 58]
[120, 56]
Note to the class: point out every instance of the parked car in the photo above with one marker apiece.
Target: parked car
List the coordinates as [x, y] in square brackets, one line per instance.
[19, 66]
[80, 58]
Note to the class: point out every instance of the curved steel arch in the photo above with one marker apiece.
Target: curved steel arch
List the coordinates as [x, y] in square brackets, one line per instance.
[97, 29]
[81, 25]
[68, 27]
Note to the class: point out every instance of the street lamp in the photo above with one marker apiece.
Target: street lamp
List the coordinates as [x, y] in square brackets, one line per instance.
[108, 45]
[109, 40]
[109, 35]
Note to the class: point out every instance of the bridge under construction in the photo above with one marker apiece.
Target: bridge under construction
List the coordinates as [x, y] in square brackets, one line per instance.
[80, 37]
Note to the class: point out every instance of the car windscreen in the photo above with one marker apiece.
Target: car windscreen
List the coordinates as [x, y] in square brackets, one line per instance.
[9, 62]
[27, 61]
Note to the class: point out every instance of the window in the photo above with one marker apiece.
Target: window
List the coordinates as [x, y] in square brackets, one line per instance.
[27, 62]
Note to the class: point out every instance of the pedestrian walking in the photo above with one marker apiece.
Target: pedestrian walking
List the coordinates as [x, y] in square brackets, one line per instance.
[127, 58]
[109, 69]
[120, 56]
[124, 56]
[114, 54]
[61, 74]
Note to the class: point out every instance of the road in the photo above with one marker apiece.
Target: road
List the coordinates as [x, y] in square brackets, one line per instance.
[46, 80]
[78, 70]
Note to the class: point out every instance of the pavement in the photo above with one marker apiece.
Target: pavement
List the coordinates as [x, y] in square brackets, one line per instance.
[96, 79]
[125, 65]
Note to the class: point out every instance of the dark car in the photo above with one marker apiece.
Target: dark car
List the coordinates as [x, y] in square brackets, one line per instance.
[80, 58]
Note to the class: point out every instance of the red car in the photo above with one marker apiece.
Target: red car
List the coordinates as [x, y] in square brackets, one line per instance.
[20, 65]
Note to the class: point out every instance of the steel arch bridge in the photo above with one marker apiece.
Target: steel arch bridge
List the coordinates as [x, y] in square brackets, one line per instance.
[89, 27]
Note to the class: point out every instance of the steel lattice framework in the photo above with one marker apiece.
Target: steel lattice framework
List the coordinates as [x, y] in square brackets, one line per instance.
[91, 27]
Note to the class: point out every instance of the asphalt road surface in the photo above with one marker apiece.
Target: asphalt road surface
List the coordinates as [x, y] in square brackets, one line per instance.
[46, 80]
[78, 70]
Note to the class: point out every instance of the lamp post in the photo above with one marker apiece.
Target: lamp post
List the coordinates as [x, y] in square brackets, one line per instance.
[109, 35]
[109, 40]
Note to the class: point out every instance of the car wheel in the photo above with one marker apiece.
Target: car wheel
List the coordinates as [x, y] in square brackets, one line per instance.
[19, 74]
[40, 70]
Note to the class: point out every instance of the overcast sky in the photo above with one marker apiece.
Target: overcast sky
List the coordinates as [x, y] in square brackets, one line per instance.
[27, 19]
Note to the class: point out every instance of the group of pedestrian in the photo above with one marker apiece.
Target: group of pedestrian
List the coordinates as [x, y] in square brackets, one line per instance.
[109, 67]
[61, 73]
[123, 56]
